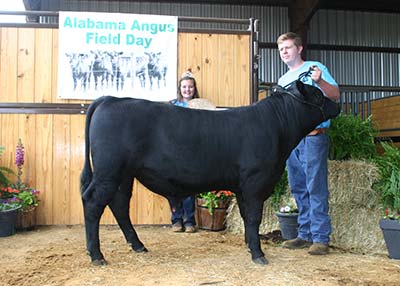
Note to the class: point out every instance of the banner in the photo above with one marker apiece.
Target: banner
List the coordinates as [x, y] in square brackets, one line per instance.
[124, 55]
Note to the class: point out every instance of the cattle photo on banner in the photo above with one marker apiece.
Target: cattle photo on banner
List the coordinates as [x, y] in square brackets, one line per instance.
[124, 55]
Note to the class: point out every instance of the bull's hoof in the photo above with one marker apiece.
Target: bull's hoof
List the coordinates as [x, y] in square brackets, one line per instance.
[260, 260]
[141, 249]
[99, 262]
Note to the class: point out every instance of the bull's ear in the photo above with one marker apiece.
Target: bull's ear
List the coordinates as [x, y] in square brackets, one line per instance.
[301, 87]
[313, 94]
[296, 88]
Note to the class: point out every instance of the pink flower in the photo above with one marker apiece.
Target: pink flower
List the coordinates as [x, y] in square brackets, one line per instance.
[19, 154]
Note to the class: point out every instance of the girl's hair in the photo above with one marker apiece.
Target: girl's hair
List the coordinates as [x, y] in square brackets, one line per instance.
[187, 76]
[290, 36]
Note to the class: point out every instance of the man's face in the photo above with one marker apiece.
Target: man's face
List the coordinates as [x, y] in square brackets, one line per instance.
[289, 52]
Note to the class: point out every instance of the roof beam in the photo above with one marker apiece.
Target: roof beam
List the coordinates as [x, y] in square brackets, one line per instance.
[300, 14]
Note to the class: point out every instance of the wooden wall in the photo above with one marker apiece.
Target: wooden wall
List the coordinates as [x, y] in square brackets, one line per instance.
[386, 115]
[54, 143]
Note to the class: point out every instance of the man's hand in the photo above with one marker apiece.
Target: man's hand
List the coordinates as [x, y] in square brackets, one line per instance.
[316, 74]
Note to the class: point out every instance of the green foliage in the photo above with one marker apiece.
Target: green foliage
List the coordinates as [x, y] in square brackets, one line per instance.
[212, 199]
[388, 185]
[352, 138]
[279, 191]
[4, 171]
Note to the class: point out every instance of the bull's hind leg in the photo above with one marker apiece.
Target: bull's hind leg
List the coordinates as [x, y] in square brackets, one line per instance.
[95, 199]
[120, 209]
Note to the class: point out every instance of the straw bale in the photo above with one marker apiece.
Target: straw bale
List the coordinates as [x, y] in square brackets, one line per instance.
[353, 209]
[234, 222]
[350, 184]
[201, 103]
[357, 230]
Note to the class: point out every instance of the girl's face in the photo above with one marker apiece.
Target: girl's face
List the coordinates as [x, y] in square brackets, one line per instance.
[187, 89]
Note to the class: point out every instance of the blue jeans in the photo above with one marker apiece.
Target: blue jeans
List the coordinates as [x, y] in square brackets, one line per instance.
[185, 212]
[308, 179]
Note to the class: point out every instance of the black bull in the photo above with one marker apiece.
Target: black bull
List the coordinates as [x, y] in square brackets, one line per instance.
[176, 151]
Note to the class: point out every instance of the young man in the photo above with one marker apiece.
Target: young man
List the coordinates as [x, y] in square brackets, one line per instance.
[307, 164]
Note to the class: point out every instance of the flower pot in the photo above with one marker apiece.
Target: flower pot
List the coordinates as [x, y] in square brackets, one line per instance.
[391, 233]
[8, 219]
[288, 224]
[215, 221]
[26, 219]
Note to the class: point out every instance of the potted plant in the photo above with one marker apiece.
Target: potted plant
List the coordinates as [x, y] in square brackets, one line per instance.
[287, 216]
[29, 197]
[388, 188]
[211, 209]
[9, 204]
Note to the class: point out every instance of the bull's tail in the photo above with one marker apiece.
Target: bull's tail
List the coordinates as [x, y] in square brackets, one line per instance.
[87, 173]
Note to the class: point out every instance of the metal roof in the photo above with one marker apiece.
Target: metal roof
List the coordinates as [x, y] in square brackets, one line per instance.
[387, 6]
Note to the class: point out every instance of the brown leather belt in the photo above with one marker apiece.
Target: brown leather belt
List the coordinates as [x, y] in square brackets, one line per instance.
[317, 131]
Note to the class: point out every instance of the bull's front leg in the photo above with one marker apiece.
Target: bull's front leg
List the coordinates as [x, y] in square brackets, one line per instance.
[242, 211]
[120, 209]
[253, 215]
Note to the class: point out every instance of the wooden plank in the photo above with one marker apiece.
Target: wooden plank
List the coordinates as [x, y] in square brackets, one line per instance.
[61, 165]
[54, 70]
[242, 70]
[209, 56]
[77, 146]
[44, 167]
[8, 64]
[161, 210]
[189, 55]
[144, 204]
[225, 67]
[43, 65]
[386, 102]
[26, 65]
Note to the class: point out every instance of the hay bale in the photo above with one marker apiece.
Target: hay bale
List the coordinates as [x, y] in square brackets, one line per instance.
[354, 209]
[350, 184]
[201, 103]
[234, 222]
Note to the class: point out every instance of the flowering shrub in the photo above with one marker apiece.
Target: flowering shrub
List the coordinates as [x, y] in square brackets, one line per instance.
[289, 207]
[211, 199]
[391, 214]
[9, 199]
[18, 194]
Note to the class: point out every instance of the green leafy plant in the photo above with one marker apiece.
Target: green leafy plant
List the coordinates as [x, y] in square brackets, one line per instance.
[388, 185]
[4, 171]
[214, 198]
[280, 190]
[352, 138]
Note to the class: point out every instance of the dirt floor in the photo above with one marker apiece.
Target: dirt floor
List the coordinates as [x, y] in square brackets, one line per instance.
[56, 256]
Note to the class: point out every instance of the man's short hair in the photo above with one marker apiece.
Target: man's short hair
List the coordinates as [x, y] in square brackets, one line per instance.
[290, 36]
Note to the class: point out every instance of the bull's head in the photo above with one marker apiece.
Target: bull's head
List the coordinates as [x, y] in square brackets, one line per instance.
[313, 96]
